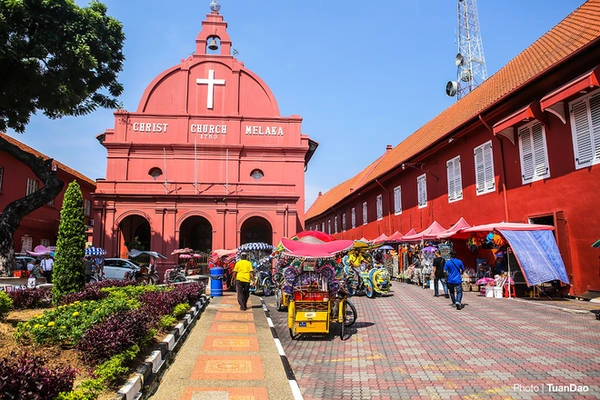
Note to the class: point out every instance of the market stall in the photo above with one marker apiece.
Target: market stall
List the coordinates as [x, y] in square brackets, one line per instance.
[534, 247]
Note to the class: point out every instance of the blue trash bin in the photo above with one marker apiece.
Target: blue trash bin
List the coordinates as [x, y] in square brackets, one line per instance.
[216, 281]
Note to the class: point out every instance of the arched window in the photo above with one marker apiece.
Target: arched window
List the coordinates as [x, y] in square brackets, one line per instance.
[155, 172]
[257, 174]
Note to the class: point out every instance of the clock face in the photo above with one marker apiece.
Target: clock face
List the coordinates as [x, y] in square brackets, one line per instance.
[451, 88]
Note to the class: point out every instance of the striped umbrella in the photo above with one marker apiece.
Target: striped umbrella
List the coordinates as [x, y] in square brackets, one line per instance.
[94, 251]
[255, 246]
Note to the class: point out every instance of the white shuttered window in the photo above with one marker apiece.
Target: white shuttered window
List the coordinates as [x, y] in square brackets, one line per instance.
[398, 200]
[534, 155]
[453, 172]
[585, 126]
[422, 191]
[484, 168]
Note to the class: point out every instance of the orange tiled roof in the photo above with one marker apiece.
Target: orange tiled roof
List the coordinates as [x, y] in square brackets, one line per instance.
[36, 153]
[576, 31]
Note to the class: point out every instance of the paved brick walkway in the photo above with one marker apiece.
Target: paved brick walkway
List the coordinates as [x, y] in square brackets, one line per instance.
[415, 346]
[229, 355]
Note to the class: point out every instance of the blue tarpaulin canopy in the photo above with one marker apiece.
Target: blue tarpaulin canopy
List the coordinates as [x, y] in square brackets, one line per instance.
[537, 254]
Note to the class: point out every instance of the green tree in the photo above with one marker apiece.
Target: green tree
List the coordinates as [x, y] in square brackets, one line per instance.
[58, 59]
[68, 274]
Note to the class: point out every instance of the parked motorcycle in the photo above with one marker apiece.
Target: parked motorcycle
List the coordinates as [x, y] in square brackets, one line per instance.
[145, 275]
[175, 274]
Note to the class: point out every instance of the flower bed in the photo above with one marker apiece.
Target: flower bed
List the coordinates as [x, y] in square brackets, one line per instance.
[82, 332]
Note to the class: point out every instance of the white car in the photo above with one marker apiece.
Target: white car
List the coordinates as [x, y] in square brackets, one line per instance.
[22, 261]
[116, 268]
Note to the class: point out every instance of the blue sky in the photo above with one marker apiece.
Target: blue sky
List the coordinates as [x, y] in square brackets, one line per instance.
[361, 74]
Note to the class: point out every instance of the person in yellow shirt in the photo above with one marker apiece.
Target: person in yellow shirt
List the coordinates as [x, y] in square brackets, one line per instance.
[243, 272]
[356, 258]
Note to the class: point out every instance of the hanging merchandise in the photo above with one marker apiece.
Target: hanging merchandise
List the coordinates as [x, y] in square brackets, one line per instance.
[474, 243]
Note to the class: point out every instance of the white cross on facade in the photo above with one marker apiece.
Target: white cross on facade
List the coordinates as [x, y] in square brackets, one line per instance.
[211, 82]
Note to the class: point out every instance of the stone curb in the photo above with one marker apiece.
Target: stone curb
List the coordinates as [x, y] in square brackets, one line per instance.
[147, 377]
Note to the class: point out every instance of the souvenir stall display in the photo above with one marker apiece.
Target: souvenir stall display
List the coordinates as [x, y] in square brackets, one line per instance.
[427, 256]
[491, 280]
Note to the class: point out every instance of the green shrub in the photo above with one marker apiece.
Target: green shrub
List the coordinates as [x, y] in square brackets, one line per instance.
[6, 304]
[68, 274]
[180, 310]
[113, 370]
[166, 322]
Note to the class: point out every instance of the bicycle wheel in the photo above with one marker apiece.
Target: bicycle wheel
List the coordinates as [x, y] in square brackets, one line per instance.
[369, 289]
[351, 286]
[267, 287]
[293, 334]
[278, 300]
[349, 313]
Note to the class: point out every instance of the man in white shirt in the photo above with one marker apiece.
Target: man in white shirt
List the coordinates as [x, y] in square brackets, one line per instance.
[47, 265]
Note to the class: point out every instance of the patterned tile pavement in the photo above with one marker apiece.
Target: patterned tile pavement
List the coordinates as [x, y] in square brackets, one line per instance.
[228, 355]
[412, 345]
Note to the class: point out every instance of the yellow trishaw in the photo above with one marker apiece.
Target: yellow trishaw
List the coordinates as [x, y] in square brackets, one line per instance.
[314, 295]
[317, 300]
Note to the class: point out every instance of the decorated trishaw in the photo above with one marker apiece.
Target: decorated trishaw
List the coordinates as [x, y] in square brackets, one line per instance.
[368, 278]
[316, 298]
[259, 254]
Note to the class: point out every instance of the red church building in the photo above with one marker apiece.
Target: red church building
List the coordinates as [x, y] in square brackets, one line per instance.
[206, 161]
[524, 146]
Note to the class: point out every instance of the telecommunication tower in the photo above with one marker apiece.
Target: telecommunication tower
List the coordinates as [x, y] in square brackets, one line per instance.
[470, 62]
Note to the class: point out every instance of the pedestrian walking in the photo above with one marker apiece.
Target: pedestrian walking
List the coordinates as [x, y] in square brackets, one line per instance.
[454, 269]
[243, 272]
[47, 266]
[439, 275]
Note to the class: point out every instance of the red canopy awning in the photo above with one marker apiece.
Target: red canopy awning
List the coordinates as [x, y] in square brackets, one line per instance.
[460, 225]
[381, 238]
[395, 237]
[410, 233]
[507, 226]
[431, 232]
[297, 248]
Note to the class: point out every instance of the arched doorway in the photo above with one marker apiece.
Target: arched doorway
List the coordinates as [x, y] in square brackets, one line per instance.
[256, 229]
[134, 233]
[196, 233]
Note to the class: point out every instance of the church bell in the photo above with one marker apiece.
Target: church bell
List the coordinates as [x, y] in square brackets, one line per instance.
[212, 45]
